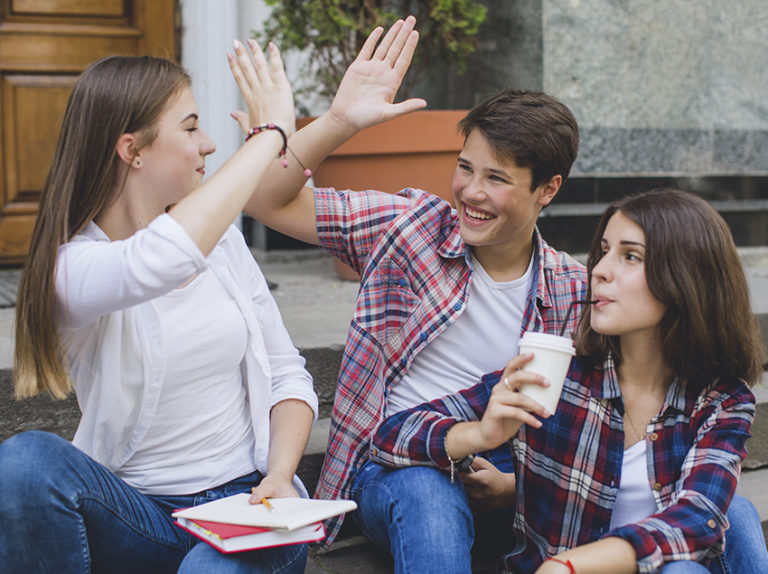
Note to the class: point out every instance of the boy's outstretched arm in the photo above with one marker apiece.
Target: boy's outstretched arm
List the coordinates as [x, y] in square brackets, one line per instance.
[365, 97]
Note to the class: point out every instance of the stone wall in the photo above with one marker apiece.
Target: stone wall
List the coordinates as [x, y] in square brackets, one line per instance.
[658, 88]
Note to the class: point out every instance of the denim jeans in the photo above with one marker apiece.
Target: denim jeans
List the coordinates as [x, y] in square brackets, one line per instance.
[63, 512]
[423, 520]
[405, 511]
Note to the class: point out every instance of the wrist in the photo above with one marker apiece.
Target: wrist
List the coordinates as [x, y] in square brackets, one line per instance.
[279, 474]
[566, 566]
[336, 127]
[474, 439]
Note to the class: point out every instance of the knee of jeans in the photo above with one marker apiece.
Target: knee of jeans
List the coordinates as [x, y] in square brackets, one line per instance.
[25, 460]
[420, 489]
[741, 508]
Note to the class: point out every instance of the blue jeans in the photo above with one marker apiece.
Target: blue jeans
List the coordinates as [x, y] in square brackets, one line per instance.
[745, 550]
[63, 512]
[405, 511]
[423, 520]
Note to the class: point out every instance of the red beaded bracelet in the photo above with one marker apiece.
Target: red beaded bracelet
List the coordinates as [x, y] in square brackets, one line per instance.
[564, 563]
[258, 129]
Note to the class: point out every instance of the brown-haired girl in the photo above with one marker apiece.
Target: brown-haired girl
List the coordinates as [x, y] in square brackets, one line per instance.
[636, 469]
[140, 294]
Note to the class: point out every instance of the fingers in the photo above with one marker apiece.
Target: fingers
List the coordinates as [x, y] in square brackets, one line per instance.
[402, 40]
[520, 408]
[237, 72]
[397, 46]
[251, 72]
[480, 463]
[518, 362]
[370, 44]
[405, 55]
[513, 378]
[406, 107]
[242, 119]
[272, 489]
[261, 67]
[276, 65]
[257, 494]
[389, 39]
[243, 64]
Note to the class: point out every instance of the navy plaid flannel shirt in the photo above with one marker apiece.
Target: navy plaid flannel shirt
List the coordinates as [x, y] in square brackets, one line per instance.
[569, 470]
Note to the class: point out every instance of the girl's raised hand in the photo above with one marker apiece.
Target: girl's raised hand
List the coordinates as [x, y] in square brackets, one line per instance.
[264, 86]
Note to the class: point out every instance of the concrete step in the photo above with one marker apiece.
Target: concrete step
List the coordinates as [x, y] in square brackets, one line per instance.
[571, 219]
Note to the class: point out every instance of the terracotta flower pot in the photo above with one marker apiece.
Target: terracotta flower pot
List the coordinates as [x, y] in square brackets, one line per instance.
[417, 150]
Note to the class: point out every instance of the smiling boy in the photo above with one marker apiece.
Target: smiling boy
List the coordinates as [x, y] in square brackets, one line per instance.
[445, 293]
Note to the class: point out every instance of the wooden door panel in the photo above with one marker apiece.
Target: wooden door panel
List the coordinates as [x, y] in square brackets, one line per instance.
[69, 7]
[34, 106]
[44, 45]
[52, 49]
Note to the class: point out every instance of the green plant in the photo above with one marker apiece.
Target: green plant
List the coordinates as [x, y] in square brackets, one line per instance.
[331, 32]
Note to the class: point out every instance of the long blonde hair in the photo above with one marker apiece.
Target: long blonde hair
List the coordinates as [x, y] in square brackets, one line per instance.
[114, 96]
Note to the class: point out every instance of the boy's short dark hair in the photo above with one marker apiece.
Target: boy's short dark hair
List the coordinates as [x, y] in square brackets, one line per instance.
[534, 129]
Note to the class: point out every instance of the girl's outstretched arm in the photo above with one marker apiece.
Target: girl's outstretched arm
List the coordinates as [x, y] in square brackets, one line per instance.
[206, 213]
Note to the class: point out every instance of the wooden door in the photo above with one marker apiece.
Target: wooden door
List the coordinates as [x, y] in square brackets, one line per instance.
[44, 45]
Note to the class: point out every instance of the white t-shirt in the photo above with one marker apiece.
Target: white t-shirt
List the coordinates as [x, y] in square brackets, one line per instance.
[201, 433]
[634, 500]
[481, 340]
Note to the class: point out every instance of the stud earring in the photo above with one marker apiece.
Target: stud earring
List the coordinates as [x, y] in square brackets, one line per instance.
[137, 162]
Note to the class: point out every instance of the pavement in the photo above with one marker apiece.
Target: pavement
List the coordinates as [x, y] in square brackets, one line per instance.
[317, 306]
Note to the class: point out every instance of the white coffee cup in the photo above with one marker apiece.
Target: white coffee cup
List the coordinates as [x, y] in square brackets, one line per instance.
[551, 358]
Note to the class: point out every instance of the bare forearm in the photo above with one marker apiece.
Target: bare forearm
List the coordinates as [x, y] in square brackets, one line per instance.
[463, 439]
[610, 555]
[207, 212]
[281, 199]
[290, 425]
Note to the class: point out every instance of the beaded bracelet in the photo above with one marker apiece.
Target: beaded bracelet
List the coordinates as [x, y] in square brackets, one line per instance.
[260, 128]
[459, 464]
[564, 563]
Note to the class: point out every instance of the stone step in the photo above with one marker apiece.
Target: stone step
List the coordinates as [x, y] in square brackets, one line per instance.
[570, 226]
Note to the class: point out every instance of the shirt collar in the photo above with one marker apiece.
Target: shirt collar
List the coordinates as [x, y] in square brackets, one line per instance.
[453, 245]
[604, 383]
[545, 261]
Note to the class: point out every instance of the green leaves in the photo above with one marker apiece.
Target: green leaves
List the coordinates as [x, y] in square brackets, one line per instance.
[333, 31]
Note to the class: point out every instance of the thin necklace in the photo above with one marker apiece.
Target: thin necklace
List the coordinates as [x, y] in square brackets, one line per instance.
[640, 435]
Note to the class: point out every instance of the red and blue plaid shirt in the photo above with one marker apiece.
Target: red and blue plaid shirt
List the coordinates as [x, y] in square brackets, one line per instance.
[415, 278]
[569, 470]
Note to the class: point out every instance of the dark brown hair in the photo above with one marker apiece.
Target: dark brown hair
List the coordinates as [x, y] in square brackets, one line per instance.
[533, 129]
[114, 96]
[692, 267]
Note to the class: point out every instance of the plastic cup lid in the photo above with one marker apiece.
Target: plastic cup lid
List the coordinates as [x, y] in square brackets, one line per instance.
[549, 341]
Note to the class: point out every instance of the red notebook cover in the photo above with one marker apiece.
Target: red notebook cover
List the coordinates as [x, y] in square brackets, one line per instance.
[236, 538]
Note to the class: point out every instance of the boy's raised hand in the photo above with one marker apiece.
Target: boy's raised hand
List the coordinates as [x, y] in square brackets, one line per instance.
[367, 92]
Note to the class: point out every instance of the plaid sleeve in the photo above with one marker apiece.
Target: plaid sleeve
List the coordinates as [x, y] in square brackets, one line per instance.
[416, 436]
[693, 526]
[350, 222]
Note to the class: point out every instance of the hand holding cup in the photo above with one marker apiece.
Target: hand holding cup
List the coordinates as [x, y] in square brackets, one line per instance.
[508, 409]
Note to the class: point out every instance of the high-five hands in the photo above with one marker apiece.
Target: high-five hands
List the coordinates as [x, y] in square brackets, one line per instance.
[367, 92]
[264, 86]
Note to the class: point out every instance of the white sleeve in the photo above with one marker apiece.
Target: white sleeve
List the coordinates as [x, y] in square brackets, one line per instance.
[95, 278]
[290, 380]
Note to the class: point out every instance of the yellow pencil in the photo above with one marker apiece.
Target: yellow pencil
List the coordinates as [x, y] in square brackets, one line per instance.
[266, 503]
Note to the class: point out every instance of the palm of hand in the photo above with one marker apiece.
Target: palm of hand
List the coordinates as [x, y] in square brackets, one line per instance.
[366, 94]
